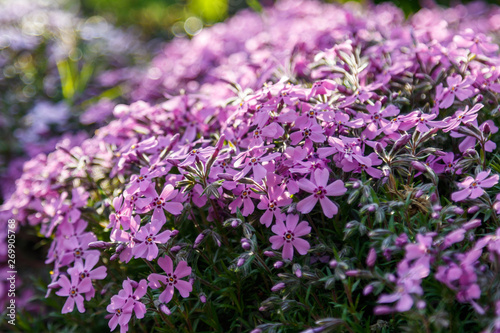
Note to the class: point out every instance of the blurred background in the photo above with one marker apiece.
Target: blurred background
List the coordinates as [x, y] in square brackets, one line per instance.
[64, 64]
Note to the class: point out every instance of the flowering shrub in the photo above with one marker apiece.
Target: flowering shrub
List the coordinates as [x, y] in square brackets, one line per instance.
[311, 168]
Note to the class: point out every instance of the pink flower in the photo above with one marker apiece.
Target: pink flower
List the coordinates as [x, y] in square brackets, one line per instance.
[161, 202]
[462, 117]
[87, 271]
[456, 87]
[245, 199]
[313, 133]
[121, 313]
[149, 236]
[133, 297]
[275, 199]
[320, 192]
[473, 188]
[171, 280]
[140, 182]
[73, 290]
[288, 236]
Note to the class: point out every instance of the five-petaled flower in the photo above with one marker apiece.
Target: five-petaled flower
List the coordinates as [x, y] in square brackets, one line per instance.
[288, 236]
[473, 188]
[171, 280]
[320, 192]
[73, 290]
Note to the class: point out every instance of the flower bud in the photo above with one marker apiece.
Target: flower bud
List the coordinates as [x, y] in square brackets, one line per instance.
[401, 142]
[333, 263]
[198, 240]
[470, 152]
[120, 248]
[473, 209]
[278, 287]
[174, 233]
[486, 128]
[418, 166]
[367, 290]
[437, 208]
[165, 309]
[372, 257]
[175, 248]
[100, 245]
[245, 244]
[472, 224]
[278, 264]
[269, 253]
[225, 176]
[203, 298]
[240, 262]
[352, 272]
[458, 211]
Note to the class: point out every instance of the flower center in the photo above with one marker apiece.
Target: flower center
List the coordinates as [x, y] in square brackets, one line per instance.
[288, 236]
[307, 133]
[320, 192]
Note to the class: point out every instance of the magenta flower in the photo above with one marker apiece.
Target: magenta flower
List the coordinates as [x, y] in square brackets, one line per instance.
[133, 297]
[288, 236]
[161, 203]
[149, 237]
[140, 182]
[275, 199]
[171, 280]
[320, 192]
[121, 312]
[313, 133]
[88, 271]
[73, 290]
[245, 199]
[456, 87]
[462, 117]
[473, 188]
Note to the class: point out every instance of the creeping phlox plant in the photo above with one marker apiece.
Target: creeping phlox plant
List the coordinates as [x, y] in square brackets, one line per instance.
[313, 167]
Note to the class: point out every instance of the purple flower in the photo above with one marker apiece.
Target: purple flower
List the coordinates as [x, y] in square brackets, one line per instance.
[121, 312]
[162, 202]
[73, 291]
[149, 237]
[320, 191]
[172, 279]
[456, 87]
[288, 236]
[473, 187]
[275, 199]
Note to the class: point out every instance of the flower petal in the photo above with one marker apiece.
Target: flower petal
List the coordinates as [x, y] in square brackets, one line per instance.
[307, 204]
